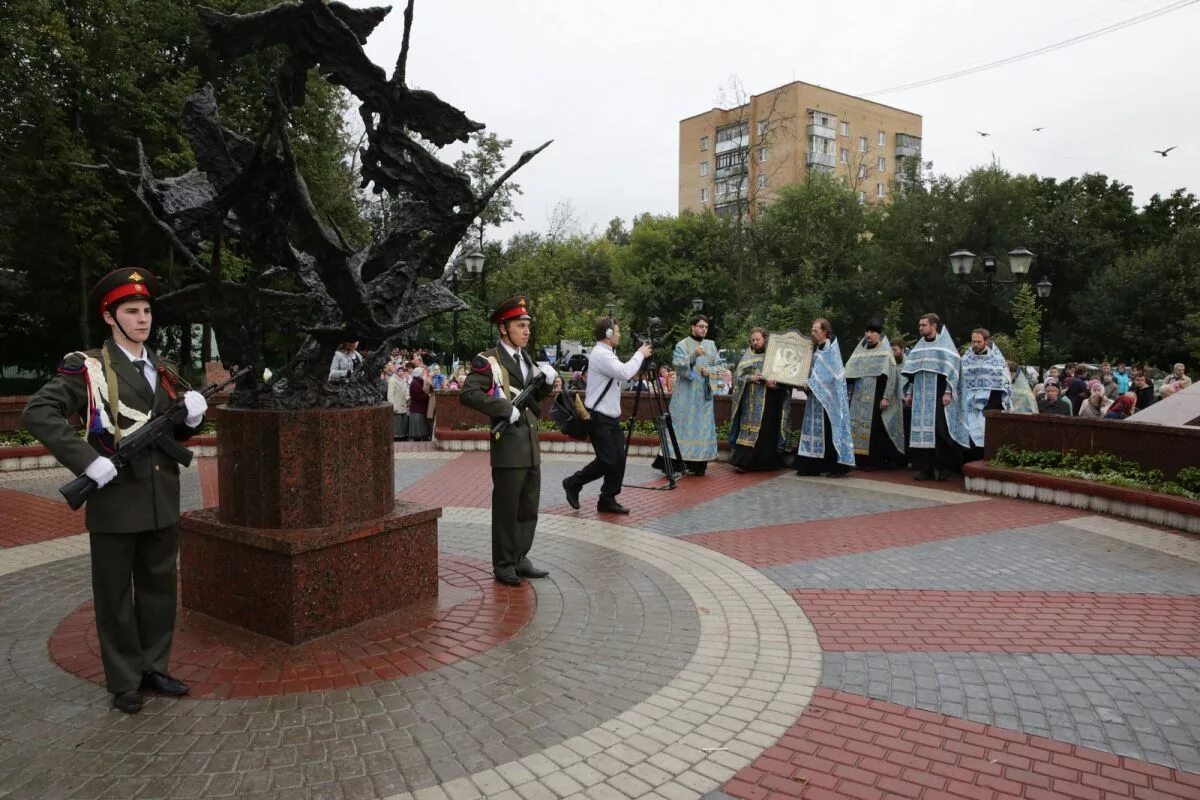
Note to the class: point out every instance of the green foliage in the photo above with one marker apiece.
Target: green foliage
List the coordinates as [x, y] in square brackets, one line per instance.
[1028, 319]
[1099, 468]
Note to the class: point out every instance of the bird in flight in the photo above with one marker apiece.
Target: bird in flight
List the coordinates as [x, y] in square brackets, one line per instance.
[1039, 129]
[1163, 153]
[983, 133]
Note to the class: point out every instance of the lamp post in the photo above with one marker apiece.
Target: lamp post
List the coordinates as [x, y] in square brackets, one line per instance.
[698, 305]
[1043, 293]
[474, 264]
[963, 261]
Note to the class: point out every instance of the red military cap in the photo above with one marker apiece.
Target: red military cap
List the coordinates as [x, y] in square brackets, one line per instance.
[126, 283]
[515, 307]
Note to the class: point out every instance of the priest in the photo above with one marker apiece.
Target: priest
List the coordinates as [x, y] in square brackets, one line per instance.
[984, 385]
[758, 424]
[932, 368]
[826, 447]
[876, 401]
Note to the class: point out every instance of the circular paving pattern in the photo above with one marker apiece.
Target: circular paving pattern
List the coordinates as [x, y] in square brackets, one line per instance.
[642, 651]
[471, 615]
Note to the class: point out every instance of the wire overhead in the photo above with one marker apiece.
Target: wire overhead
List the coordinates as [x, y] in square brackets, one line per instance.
[1083, 37]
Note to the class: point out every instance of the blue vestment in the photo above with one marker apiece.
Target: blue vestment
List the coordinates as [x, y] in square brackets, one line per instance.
[827, 399]
[692, 400]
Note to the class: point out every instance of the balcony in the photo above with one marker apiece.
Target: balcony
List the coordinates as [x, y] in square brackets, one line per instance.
[819, 159]
[733, 143]
[731, 172]
[822, 131]
[907, 145]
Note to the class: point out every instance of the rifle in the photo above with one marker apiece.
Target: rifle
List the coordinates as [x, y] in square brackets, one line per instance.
[519, 402]
[76, 491]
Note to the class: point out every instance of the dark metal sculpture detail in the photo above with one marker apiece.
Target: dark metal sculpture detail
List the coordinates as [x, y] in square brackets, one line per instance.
[302, 274]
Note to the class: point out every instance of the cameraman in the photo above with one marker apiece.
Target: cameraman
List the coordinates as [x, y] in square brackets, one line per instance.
[603, 401]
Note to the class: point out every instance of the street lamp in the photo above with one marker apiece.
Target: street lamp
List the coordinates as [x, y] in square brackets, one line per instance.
[474, 261]
[612, 310]
[697, 305]
[963, 261]
[1043, 293]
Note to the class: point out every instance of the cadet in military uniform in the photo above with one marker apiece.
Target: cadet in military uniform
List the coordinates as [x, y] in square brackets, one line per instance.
[497, 376]
[133, 517]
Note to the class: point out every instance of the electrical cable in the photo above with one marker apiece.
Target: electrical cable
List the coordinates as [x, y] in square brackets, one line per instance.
[1083, 37]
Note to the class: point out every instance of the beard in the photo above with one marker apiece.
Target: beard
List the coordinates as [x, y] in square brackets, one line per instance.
[758, 350]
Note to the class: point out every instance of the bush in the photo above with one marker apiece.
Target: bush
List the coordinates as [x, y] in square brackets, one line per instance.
[1101, 468]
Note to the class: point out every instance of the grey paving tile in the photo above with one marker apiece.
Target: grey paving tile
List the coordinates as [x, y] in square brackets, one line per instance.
[778, 502]
[1039, 558]
[1121, 711]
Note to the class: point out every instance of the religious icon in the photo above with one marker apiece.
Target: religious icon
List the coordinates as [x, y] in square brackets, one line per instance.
[788, 359]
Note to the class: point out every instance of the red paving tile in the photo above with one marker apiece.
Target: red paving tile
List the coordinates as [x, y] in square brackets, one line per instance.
[802, 541]
[904, 477]
[645, 504]
[1008, 622]
[27, 519]
[847, 745]
[472, 615]
[463, 481]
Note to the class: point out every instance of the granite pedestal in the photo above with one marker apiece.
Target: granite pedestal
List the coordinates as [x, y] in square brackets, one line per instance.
[308, 537]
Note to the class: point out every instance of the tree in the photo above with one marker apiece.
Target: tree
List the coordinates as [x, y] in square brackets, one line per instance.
[482, 163]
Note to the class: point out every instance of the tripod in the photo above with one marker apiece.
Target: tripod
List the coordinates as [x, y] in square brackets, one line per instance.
[668, 445]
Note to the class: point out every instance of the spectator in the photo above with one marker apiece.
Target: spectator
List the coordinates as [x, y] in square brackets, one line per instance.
[436, 378]
[346, 359]
[665, 379]
[418, 405]
[1111, 390]
[397, 395]
[1123, 378]
[1054, 403]
[1122, 407]
[578, 381]
[1076, 387]
[1143, 389]
[1096, 405]
[1178, 379]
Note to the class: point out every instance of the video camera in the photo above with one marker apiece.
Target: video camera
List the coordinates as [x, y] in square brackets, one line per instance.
[653, 337]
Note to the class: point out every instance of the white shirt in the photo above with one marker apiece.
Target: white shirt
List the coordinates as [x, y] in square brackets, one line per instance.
[603, 364]
[147, 368]
[516, 356]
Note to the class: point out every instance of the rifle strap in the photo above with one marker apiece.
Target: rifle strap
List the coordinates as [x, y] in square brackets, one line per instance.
[114, 395]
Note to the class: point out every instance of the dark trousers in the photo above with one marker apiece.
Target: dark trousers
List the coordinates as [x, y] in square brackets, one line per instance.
[827, 464]
[516, 493]
[609, 443]
[133, 587]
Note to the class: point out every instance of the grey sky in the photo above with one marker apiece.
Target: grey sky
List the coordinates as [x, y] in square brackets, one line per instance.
[609, 82]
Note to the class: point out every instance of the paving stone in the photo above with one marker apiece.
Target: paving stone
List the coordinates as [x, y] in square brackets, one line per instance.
[1097, 701]
[1056, 558]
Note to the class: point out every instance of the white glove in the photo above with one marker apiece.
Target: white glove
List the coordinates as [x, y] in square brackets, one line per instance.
[101, 471]
[514, 416]
[549, 372]
[196, 407]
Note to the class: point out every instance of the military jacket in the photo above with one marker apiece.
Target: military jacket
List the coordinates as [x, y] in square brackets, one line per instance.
[145, 494]
[494, 380]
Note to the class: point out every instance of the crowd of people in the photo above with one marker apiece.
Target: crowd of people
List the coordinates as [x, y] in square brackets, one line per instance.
[1104, 393]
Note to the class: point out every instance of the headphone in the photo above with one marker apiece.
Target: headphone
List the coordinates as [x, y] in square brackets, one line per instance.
[608, 332]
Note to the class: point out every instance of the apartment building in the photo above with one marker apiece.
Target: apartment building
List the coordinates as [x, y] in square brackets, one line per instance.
[738, 158]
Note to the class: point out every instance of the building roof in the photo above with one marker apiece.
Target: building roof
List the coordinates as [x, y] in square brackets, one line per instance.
[801, 83]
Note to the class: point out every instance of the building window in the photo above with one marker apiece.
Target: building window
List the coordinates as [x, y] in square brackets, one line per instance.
[762, 181]
[862, 197]
[845, 129]
[845, 156]
[881, 164]
[862, 170]
[762, 127]
[879, 190]
[703, 194]
[862, 144]
[825, 121]
[882, 139]
[703, 168]
[762, 154]
[703, 142]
